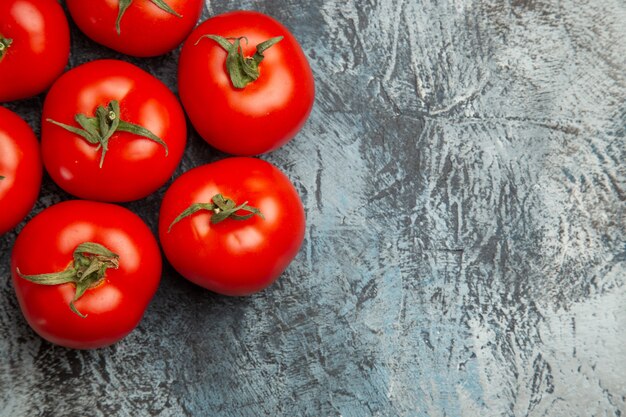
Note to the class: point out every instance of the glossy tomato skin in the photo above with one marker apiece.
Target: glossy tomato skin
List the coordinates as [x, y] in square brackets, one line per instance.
[113, 308]
[134, 167]
[233, 257]
[264, 115]
[145, 29]
[40, 48]
[20, 165]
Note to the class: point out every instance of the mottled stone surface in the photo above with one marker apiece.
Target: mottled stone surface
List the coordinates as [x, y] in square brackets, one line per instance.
[464, 180]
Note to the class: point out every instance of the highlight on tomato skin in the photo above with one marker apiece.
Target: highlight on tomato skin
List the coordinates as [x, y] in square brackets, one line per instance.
[20, 169]
[111, 132]
[232, 226]
[34, 47]
[245, 83]
[141, 28]
[120, 269]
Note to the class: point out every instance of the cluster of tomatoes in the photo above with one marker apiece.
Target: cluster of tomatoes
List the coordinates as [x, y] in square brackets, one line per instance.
[85, 270]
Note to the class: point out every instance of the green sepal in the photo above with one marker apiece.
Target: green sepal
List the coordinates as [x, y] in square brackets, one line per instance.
[264, 46]
[141, 131]
[83, 133]
[242, 70]
[222, 208]
[165, 7]
[91, 261]
[90, 125]
[124, 4]
[54, 278]
[4, 45]
[194, 208]
[99, 129]
[228, 209]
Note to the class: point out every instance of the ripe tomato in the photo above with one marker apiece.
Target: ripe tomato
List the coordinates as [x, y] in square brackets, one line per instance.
[63, 242]
[137, 149]
[34, 46]
[265, 113]
[232, 226]
[137, 27]
[20, 169]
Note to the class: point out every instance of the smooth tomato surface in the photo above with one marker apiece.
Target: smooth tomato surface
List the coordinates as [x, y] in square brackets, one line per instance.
[145, 29]
[39, 50]
[20, 165]
[134, 166]
[234, 257]
[113, 308]
[265, 114]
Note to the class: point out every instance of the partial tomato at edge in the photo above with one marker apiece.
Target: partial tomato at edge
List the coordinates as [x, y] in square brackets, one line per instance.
[133, 165]
[266, 113]
[112, 307]
[34, 46]
[234, 256]
[20, 169]
[145, 29]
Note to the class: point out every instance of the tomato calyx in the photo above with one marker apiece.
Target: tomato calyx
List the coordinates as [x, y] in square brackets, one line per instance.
[124, 4]
[91, 261]
[98, 130]
[222, 208]
[5, 43]
[242, 70]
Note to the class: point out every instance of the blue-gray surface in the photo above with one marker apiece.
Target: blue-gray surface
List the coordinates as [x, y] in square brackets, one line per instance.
[464, 181]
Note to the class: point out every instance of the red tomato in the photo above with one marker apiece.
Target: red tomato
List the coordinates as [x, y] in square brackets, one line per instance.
[233, 256]
[20, 169]
[114, 302]
[145, 29]
[134, 165]
[34, 46]
[266, 113]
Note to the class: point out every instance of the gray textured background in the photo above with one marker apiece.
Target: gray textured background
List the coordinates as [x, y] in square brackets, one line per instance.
[464, 180]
